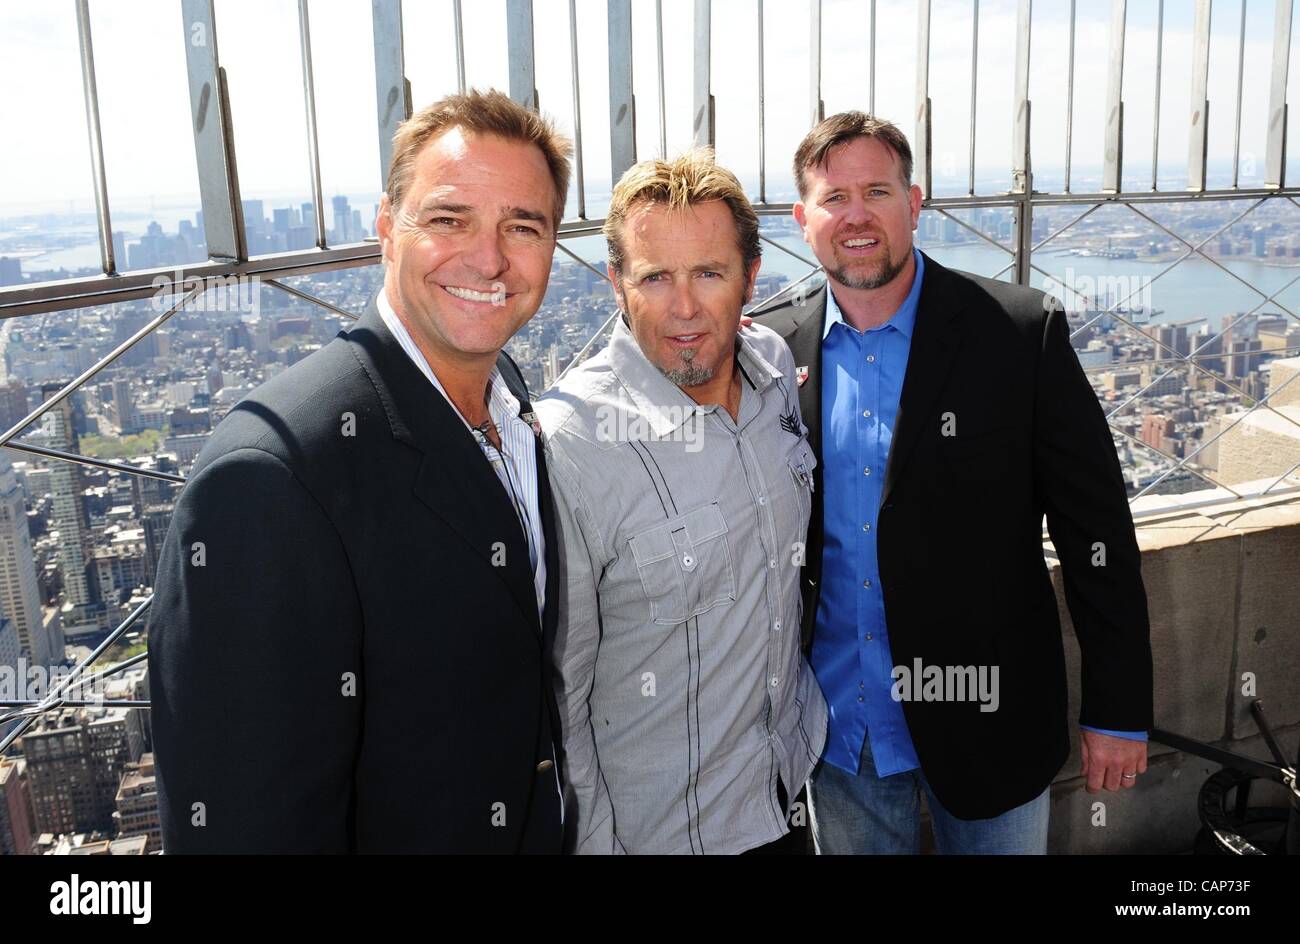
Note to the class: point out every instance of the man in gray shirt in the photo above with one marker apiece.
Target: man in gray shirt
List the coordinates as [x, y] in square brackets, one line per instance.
[682, 478]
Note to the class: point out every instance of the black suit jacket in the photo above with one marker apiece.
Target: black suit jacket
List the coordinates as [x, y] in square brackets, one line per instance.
[337, 663]
[959, 534]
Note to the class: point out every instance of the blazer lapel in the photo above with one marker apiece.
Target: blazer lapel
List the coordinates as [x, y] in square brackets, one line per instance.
[806, 346]
[455, 479]
[935, 341]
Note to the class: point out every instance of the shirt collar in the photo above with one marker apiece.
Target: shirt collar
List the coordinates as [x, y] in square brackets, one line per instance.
[664, 404]
[502, 404]
[904, 319]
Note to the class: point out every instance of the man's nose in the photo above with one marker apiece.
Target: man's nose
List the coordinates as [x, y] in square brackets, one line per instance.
[483, 256]
[684, 303]
[858, 212]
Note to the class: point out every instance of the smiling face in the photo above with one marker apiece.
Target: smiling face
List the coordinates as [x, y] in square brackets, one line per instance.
[683, 285]
[469, 248]
[858, 214]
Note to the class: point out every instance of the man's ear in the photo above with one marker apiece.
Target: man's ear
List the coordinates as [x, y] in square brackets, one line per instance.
[801, 218]
[915, 197]
[750, 277]
[618, 289]
[384, 226]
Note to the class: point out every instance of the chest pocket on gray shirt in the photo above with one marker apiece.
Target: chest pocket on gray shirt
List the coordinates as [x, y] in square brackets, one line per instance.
[685, 565]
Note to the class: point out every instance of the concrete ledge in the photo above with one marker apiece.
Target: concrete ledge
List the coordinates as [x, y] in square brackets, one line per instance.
[1223, 591]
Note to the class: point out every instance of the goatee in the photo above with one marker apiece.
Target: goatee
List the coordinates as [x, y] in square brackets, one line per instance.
[688, 375]
[882, 275]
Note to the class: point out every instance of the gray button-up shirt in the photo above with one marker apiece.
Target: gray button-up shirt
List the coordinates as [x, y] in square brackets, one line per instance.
[682, 689]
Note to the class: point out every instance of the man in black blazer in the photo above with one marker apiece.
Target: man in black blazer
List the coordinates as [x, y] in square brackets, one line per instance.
[351, 630]
[988, 423]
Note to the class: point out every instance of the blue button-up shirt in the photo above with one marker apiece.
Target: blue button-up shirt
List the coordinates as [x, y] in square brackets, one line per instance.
[862, 382]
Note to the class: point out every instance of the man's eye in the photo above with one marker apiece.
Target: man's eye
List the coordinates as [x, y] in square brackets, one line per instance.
[444, 221]
[654, 277]
[880, 193]
[528, 230]
[835, 197]
[709, 274]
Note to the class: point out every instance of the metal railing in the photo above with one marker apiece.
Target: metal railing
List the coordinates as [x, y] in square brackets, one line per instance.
[213, 130]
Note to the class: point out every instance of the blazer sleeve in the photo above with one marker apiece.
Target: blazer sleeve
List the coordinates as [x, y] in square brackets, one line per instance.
[1077, 473]
[254, 666]
[589, 811]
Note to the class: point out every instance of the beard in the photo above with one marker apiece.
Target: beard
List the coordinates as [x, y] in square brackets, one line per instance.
[882, 273]
[689, 374]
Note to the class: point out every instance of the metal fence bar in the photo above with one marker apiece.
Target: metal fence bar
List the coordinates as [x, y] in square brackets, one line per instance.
[923, 148]
[788, 251]
[95, 368]
[458, 29]
[46, 452]
[622, 107]
[1275, 152]
[1155, 115]
[308, 297]
[974, 79]
[52, 699]
[704, 129]
[309, 104]
[1069, 102]
[816, 106]
[392, 91]
[1113, 155]
[1198, 130]
[1241, 68]
[762, 109]
[519, 49]
[100, 290]
[577, 110]
[94, 133]
[214, 145]
[581, 261]
[1022, 178]
[659, 74]
[871, 77]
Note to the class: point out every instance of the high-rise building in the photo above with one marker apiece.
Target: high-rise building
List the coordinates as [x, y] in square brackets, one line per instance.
[13, 402]
[76, 758]
[155, 520]
[137, 804]
[11, 270]
[20, 594]
[17, 818]
[70, 513]
[342, 220]
[124, 406]
[10, 652]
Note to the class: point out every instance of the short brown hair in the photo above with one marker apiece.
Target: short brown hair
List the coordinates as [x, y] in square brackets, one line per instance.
[841, 129]
[694, 177]
[488, 112]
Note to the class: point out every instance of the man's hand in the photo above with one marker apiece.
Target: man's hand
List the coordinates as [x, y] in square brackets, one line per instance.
[1106, 759]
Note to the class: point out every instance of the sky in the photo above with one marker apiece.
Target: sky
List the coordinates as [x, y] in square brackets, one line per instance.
[149, 154]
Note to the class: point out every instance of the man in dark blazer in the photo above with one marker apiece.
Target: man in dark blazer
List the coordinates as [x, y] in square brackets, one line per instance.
[351, 630]
[950, 414]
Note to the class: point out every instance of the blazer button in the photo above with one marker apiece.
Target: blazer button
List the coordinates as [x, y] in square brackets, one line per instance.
[544, 766]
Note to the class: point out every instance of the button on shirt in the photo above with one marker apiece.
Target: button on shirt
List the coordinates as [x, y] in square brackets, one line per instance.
[515, 466]
[684, 698]
[862, 381]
